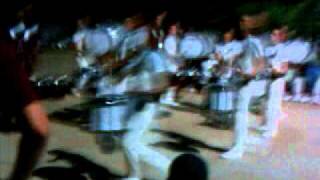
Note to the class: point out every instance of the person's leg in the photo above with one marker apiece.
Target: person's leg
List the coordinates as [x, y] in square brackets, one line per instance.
[289, 77]
[298, 88]
[135, 149]
[34, 138]
[316, 92]
[147, 154]
[241, 124]
[169, 97]
[273, 108]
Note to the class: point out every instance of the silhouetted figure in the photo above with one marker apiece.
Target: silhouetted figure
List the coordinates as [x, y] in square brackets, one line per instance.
[188, 167]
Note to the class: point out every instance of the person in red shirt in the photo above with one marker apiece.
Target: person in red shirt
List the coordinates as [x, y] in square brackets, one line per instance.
[19, 102]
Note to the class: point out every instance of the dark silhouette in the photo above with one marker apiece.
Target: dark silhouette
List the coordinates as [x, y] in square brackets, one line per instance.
[188, 167]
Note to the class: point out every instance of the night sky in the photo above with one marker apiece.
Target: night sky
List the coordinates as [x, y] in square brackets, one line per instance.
[65, 11]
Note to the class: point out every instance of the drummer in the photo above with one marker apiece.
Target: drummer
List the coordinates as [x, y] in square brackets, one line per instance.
[299, 53]
[250, 62]
[171, 50]
[230, 50]
[146, 80]
[278, 60]
[84, 25]
[225, 54]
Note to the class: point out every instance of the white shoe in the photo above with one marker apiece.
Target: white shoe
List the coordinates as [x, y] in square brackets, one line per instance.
[263, 128]
[234, 153]
[287, 97]
[270, 134]
[192, 90]
[76, 92]
[305, 99]
[253, 140]
[296, 98]
[315, 100]
[169, 102]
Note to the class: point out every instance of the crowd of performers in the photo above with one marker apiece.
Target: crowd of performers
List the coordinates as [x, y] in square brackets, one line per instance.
[141, 64]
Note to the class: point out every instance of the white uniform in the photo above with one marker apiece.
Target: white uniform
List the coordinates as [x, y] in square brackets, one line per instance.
[91, 43]
[253, 49]
[277, 56]
[230, 49]
[316, 92]
[297, 52]
[170, 47]
[139, 123]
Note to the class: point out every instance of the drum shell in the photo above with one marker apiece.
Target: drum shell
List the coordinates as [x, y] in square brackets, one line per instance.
[222, 98]
[109, 117]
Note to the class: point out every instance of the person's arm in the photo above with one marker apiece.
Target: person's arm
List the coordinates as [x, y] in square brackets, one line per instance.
[36, 118]
[33, 141]
[34, 121]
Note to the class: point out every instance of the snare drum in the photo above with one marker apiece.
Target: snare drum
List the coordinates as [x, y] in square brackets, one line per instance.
[110, 117]
[222, 98]
[111, 106]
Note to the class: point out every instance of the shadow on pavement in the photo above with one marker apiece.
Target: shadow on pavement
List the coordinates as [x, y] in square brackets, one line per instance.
[81, 168]
[184, 143]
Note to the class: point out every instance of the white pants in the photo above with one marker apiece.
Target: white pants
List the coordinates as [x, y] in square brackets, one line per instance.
[273, 108]
[316, 88]
[245, 94]
[135, 149]
[298, 86]
[298, 82]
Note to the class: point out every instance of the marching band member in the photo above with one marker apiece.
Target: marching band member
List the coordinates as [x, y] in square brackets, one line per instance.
[298, 52]
[25, 32]
[146, 80]
[315, 98]
[171, 50]
[279, 63]
[312, 74]
[230, 49]
[91, 43]
[251, 62]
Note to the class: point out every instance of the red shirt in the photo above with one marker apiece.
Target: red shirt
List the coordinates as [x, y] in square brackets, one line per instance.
[16, 91]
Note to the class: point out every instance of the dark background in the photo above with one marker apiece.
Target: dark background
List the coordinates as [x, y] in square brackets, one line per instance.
[193, 11]
[301, 15]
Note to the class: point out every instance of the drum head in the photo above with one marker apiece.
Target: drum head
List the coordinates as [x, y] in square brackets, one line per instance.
[209, 44]
[97, 42]
[170, 46]
[192, 46]
[297, 51]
